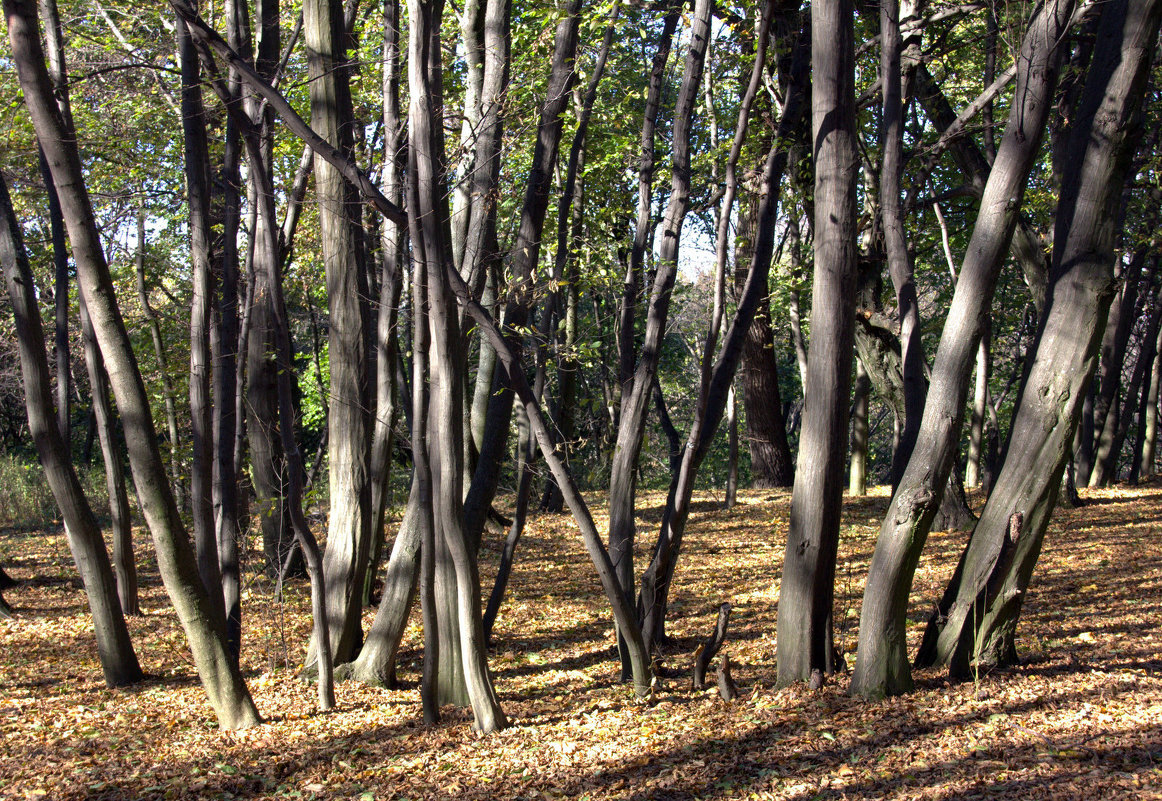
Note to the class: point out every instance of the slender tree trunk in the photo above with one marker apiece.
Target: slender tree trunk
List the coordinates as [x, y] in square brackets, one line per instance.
[197, 159]
[976, 430]
[857, 473]
[623, 475]
[900, 267]
[348, 426]
[176, 562]
[805, 600]
[998, 562]
[118, 660]
[882, 663]
[390, 291]
[634, 402]
[430, 235]
[168, 395]
[715, 381]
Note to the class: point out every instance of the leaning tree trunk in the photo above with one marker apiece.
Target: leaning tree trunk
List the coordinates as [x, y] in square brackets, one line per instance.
[979, 625]
[805, 601]
[882, 662]
[634, 404]
[118, 660]
[623, 474]
[222, 681]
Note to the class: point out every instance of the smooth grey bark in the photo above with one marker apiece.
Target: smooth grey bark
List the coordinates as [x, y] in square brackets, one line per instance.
[55, 52]
[197, 174]
[972, 471]
[224, 342]
[118, 660]
[221, 679]
[348, 424]
[1148, 416]
[430, 238]
[1133, 407]
[717, 374]
[997, 565]
[120, 519]
[508, 357]
[634, 403]
[900, 266]
[807, 589]
[882, 664]
[524, 256]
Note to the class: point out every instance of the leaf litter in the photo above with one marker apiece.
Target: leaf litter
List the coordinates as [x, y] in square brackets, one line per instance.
[1080, 718]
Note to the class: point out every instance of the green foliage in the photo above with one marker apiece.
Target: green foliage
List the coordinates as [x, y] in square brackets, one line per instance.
[27, 503]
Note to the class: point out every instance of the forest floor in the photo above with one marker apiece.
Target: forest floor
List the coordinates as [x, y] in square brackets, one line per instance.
[1081, 718]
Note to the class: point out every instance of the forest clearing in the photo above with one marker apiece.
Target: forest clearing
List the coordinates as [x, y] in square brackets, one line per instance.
[1078, 719]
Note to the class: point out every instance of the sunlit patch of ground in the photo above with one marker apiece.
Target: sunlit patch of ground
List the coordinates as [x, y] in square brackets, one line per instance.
[1080, 719]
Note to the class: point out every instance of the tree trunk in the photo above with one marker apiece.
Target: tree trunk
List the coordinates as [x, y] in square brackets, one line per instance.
[857, 474]
[771, 461]
[197, 158]
[635, 398]
[716, 381]
[805, 600]
[976, 430]
[882, 663]
[390, 291]
[997, 564]
[623, 475]
[118, 661]
[348, 426]
[176, 562]
[430, 236]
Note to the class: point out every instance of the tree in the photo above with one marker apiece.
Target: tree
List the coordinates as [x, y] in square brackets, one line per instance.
[882, 662]
[221, 679]
[807, 588]
[981, 607]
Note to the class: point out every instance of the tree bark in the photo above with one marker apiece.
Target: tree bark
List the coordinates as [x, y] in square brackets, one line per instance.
[882, 663]
[197, 159]
[348, 426]
[805, 599]
[176, 562]
[995, 569]
[857, 473]
[118, 660]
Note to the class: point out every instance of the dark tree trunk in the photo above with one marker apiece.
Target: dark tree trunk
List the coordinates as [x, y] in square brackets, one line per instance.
[390, 291]
[457, 579]
[882, 663]
[118, 661]
[176, 562]
[623, 476]
[716, 380]
[805, 601]
[635, 398]
[997, 565]
[197, 159]
[771, 462]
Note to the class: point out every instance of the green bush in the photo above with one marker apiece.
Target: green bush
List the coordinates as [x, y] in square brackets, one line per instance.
[26, 502]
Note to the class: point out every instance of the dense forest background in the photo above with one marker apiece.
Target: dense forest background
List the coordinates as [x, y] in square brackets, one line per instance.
[349, 291]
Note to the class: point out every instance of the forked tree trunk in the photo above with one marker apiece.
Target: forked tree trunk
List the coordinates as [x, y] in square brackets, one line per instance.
[882, 662]
[716, 380]
[805, 600]
[430, 235]
[118, 660]
[222, 681]
[995, 570]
